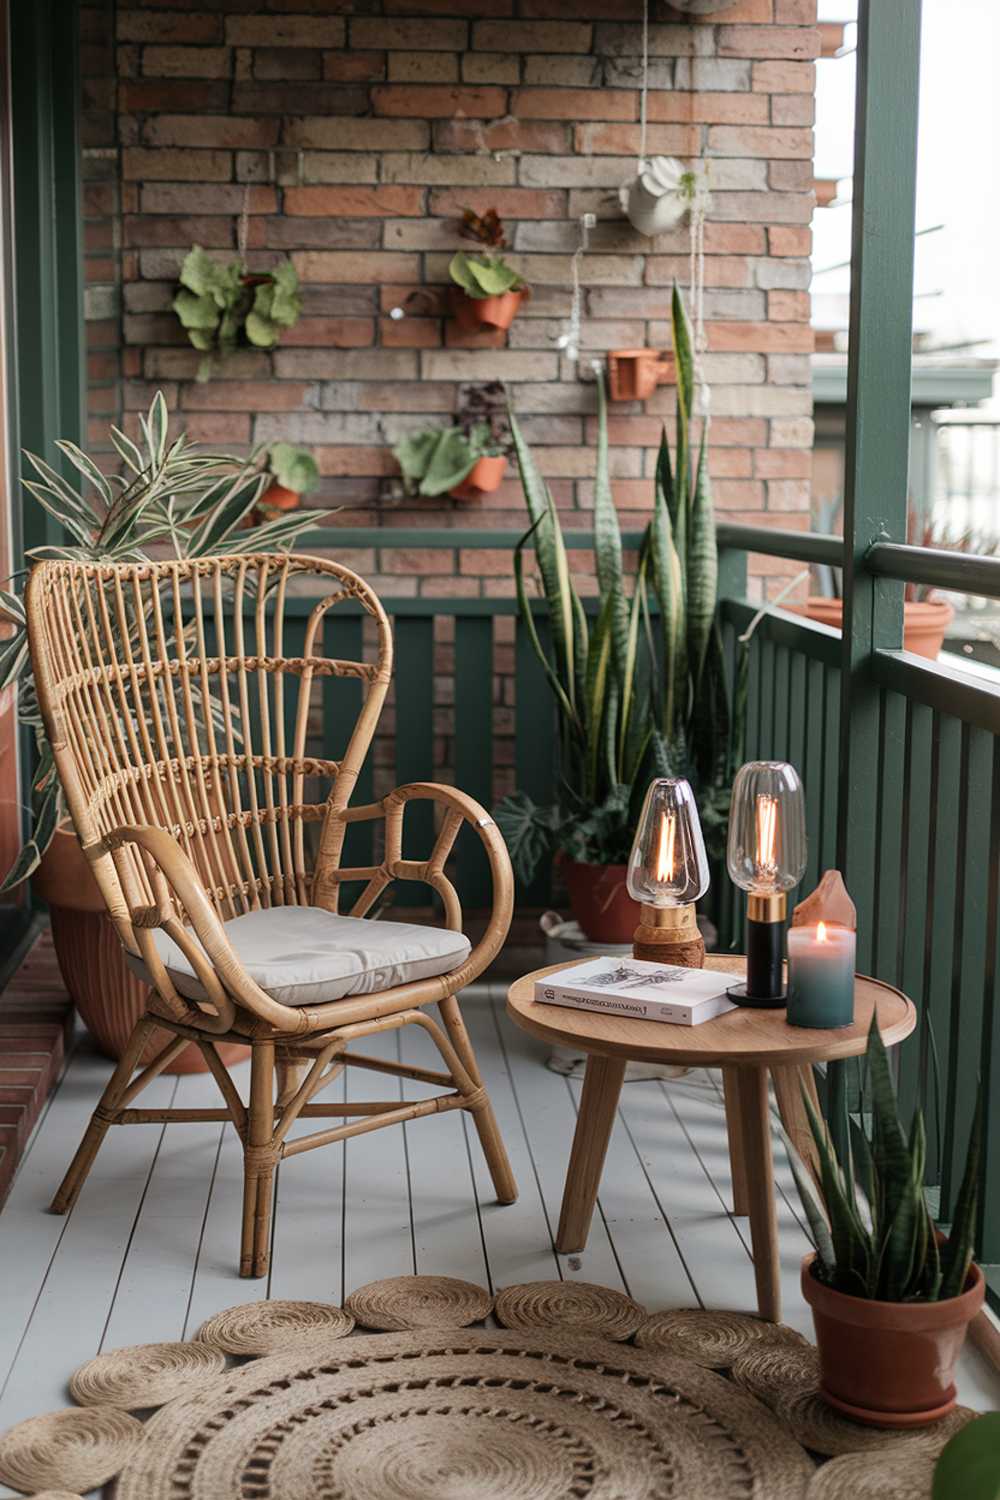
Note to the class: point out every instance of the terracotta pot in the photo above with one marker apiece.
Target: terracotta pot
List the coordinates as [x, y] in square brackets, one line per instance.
[280, 497]
[600, 901]
[482, 479]
[925, 621]
[109, 997]
[494, 312]
[634, 374]
[889, 1364]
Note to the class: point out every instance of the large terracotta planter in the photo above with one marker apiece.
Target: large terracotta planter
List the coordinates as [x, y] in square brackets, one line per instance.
[109, 997]
[890, 1364]
[925, 621]
[600, 901]
[482, 479]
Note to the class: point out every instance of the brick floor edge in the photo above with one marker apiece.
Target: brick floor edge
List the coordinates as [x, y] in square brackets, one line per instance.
[36, 1028]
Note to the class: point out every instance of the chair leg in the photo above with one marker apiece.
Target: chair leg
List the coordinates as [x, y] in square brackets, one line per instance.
[482, 1111]
[76, 1175]
[259, 1157]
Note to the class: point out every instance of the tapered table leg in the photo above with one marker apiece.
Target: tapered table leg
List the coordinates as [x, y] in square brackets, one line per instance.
[756, 1131]
[734, 1131]
[601, 1086]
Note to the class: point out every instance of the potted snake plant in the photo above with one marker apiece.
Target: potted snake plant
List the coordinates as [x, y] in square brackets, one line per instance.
[891, 1297]
[639, 691]
[168, 494]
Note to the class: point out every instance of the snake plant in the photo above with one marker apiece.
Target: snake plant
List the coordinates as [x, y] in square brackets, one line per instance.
[167, 494]
[873, 1232]
[641, 691]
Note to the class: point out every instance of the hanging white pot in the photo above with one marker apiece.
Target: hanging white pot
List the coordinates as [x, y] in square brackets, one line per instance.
[660, 194]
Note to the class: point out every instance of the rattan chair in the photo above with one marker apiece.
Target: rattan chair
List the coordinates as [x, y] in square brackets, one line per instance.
[181, 731]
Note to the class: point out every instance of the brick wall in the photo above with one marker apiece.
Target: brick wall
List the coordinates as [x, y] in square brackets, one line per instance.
[362, 129]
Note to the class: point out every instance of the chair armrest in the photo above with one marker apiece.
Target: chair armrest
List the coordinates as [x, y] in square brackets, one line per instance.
[212, 956]
[459, 809]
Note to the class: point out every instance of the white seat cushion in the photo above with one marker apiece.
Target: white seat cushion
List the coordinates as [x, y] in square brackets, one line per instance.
[302, 955]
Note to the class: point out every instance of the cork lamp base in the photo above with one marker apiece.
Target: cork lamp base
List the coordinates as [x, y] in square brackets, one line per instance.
[669, 935]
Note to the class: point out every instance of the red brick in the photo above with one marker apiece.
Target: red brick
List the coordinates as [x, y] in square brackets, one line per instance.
[280, 63]
[408, 36]
[741, 239]
[575, 104]
[708, 108]
[720, 270]
[789, 307]
[502, 135]
[338, 266]
[428, 102]
[458, 337]
[511, 203]
[782, 338]
[332, 133]
[354, 67]
[285, 31]
[186, 62]
[792, 109]
[410, 333]
[330, 333]
[795, 12]
[386, 201]
[532, 36]
[782, 463]
[784, 78]
[177, 165]
[794, 42]
[307, 99]
[244, 395]
[623, 140]
[212, 427]
[793, 176]
[160, 26]
[789, 239]
[759, 140]
[196, 130]
[189, 197]
[173, 94]
[214, 233]
[447, 7]
[423, 67]
[350, 460]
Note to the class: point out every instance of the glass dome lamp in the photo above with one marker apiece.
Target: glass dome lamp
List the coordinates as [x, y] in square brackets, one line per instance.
[766, 857]
[667, 873]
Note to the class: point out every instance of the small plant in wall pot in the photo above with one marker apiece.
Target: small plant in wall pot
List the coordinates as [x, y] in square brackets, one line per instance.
[293, 473]
[224, 307]
[448, 461]
[490, 291]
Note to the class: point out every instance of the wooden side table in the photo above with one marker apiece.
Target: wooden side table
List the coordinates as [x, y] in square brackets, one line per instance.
[747, 1044]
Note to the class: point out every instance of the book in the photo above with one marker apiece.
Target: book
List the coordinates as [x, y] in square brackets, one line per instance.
[634, 987]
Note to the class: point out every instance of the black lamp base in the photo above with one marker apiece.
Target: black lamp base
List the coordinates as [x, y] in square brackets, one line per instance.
[738, 994]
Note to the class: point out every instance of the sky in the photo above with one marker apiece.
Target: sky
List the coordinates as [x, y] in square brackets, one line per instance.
[957, 276]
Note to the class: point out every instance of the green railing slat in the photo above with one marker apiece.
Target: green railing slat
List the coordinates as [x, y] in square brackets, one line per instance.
[813, 769]
[474, 746]
[414, 681]
[914, 1061]
[891, 817]
[534, 742]
[939, 924]
[989, 1200]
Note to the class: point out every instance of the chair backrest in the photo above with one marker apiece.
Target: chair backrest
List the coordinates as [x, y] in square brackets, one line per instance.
[183, 694]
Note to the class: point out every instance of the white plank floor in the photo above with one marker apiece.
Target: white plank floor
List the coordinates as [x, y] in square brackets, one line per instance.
[151, 1248]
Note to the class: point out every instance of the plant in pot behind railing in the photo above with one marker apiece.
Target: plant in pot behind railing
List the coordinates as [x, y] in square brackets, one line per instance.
[172, 496]
[224, 306]
[291, 473]
[489, 290]
[891, 1299]
[638, 692]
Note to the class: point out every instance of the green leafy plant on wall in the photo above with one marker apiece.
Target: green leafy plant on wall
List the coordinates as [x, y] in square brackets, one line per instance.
[169, 496]
[889, 1252]
[224, 306]
[437, 459]
[484, 275]
[641, 690]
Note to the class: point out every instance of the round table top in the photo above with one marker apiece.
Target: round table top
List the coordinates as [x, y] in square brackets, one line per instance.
[741, 1037]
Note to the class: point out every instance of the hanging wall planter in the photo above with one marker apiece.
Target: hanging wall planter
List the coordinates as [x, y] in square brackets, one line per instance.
[488, 292]
[224, 307]
[634, 374]
[485, 476]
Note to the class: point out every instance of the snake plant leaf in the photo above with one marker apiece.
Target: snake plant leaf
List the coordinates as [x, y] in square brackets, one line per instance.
[968, 1466]
[562, 698]
[599, 687]
[818, 1225]
[684, 367]
[669, 590]
[889, 1147]
[956, 1253]
[608, 559]
[851, 1246]
[702, 570]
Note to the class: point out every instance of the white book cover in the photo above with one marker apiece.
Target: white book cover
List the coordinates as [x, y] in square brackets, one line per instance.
[639, 989]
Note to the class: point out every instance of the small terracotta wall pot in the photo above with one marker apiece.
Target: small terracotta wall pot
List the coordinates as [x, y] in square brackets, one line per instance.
[484, 477]
[889, 1364]
[925, 621]
[634, 374]
[494, 312]
[280, 497]
[108, 996]
[600, 901]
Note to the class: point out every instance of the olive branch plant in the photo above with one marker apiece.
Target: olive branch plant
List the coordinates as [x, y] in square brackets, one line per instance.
[168, 495]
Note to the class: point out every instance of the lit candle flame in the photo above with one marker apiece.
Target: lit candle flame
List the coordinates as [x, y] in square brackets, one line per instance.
[666, 847]
[767, 835]
[821, 936]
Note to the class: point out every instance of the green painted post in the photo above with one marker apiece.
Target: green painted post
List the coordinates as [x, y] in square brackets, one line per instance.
[878, 418]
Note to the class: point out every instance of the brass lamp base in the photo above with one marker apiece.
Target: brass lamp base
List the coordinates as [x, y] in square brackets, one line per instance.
[669, 935]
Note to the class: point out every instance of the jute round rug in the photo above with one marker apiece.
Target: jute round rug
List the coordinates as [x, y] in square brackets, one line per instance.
[875, 1476]
[712, 1339]
[512, 1415]
[574, 1306]
[82, 1448]
[399, 1302]
[268, 1327]
[145, 1375]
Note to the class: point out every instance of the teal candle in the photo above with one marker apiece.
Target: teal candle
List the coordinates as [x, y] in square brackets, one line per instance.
[821, 976]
